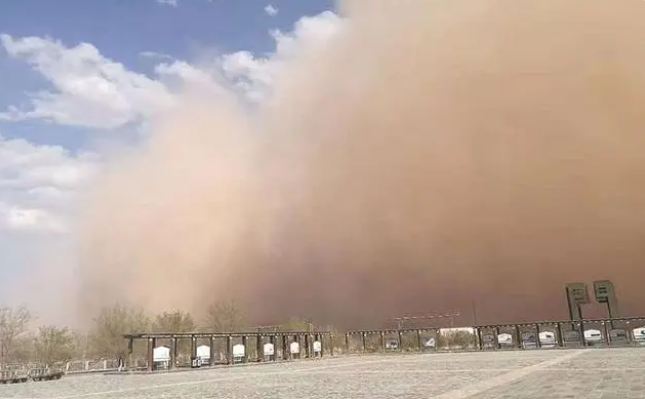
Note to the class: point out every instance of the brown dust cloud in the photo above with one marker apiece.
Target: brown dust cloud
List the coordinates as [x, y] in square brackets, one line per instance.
[432, 156]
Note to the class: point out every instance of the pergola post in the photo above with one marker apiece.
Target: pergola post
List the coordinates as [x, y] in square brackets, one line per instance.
[258, 348]
[400, 337]
[211, 358]
[558, 334]
[173, 353]
[151, 354]
[229, 350]
[307, 348]
[272, 341]
[193, 348]
[285, 349]
[130, 352]
[245, 358]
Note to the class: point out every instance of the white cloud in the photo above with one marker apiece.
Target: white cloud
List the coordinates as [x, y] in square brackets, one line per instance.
[90, 90]
[308, 31]
[38, 185]
[271, 10]
[33, 220]
[172, 3]
[154, 54]
[182, 73]
[256, 75]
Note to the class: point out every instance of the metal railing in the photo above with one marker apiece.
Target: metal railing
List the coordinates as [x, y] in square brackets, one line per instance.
[91, 366]
[14, 373]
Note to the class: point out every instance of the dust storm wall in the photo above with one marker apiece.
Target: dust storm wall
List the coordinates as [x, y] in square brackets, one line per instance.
[432, 154]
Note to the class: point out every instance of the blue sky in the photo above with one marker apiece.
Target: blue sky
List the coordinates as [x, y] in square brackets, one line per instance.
[125, 29]
[78, 75]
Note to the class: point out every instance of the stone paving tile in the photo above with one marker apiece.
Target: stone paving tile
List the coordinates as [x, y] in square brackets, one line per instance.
[594, 374]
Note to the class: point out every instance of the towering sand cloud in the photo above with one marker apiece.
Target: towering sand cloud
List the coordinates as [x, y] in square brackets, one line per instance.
[431, 154]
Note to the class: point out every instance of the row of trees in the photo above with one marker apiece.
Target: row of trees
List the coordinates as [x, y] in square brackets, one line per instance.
[20, 342]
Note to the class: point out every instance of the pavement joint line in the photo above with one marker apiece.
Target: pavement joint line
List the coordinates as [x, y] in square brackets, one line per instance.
[504, 379]
[424, 371]
[595, 369]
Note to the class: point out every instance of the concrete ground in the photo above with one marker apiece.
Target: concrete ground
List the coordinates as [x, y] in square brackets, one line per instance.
[574, 374]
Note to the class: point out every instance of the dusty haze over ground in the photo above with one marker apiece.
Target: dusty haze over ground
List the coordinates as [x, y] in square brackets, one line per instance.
[431, 155]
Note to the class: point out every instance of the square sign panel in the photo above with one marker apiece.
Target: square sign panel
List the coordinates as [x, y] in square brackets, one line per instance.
[604, 290]
[578, 293]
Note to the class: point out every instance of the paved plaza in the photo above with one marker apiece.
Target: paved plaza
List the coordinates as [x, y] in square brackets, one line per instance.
[575, 374]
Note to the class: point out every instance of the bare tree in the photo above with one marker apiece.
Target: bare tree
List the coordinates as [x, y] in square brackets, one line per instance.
[111, 324]
[23, 348]
[295, 324]
[176, 321]
[82, 344]
[54, 344]
[224, 316]
[13, 323]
